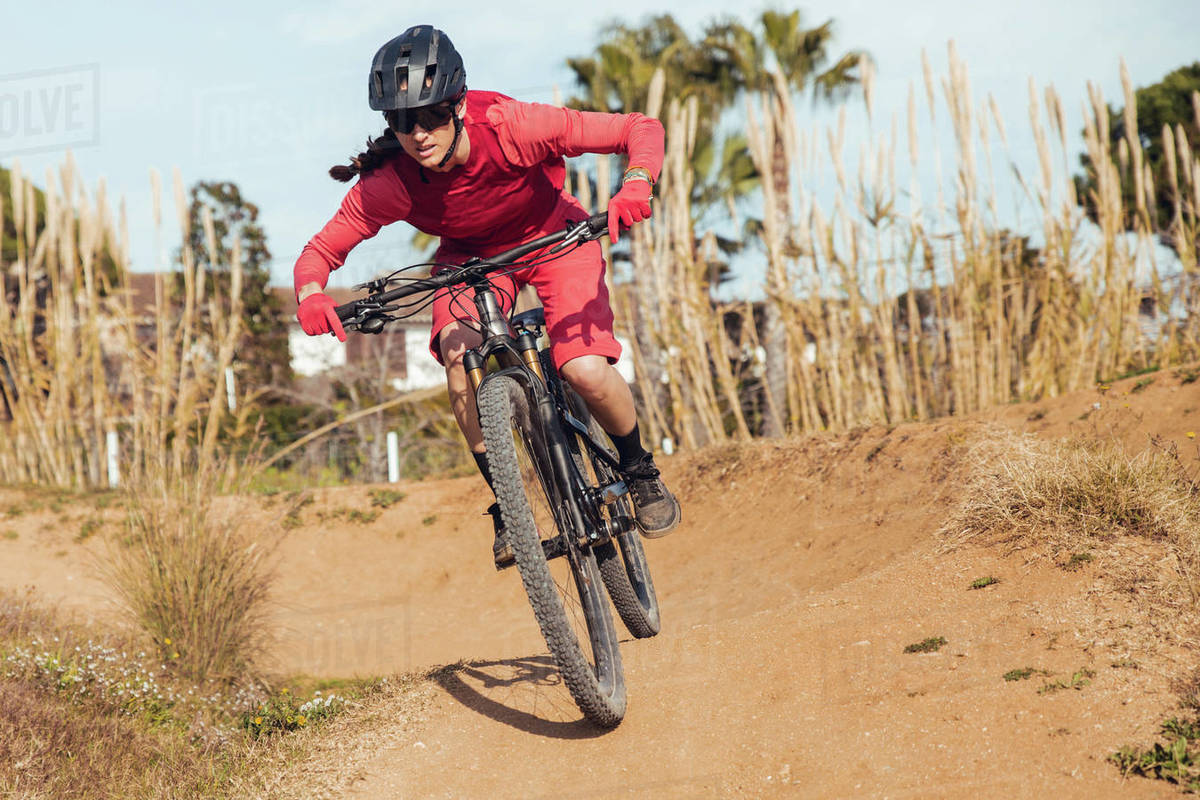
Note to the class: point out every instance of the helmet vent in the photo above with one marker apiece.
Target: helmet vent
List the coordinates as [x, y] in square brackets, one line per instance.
[429, 81]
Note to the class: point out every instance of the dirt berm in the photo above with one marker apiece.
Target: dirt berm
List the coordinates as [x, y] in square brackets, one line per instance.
[801, 572]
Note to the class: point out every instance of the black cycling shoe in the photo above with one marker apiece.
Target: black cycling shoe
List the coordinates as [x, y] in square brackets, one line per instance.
[656, 510]
[502, 553]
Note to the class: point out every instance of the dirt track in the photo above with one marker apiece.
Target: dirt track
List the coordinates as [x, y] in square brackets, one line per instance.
[801, 572]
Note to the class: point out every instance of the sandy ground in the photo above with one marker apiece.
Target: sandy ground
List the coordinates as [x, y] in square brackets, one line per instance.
[802, 570]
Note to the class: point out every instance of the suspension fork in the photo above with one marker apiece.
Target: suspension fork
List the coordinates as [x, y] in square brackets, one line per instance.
[518, 355]
[563, 464]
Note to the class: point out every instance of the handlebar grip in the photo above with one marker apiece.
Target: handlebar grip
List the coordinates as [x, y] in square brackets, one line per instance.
[345, 311]
[598, 223]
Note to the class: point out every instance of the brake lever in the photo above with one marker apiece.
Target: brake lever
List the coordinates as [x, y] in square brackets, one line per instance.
[374, 285]
[581, 232]
[365, 309]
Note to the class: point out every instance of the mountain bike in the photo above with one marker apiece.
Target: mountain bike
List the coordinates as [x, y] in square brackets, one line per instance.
[566, 509]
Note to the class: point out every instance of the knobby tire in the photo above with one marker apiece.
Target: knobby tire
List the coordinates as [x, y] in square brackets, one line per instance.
[590, 669]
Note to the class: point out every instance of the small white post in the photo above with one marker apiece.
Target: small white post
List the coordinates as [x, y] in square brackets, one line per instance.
[668, 446]
[114, 467]
[393, 447]
[230, 392]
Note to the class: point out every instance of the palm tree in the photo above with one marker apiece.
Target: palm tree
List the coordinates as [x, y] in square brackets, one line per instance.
[729, 62]
[782, 55]
[618, 76]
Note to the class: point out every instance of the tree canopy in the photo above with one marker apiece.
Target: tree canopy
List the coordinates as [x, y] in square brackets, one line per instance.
[264, 346]
[1171, 102]
[718, 68]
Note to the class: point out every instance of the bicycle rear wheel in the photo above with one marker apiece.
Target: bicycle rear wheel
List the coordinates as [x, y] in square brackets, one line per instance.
[561, 579]
[622, 560]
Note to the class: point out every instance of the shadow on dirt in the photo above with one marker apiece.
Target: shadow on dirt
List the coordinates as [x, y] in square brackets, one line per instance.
[523, 693]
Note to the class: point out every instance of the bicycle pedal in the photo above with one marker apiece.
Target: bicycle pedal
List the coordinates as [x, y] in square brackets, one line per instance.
[551, 548]
[504, 559]
[554, 548]
[607, 495]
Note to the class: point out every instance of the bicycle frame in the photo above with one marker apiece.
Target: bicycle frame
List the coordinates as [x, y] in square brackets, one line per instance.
[516, 352]
[517, 355]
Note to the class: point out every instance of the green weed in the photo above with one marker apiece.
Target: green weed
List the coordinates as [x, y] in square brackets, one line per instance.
[1174, 762]
[1187, 375]
[1077, 560]
[89, 527]
[1079, 679]
[1175, 758]
[348, 514]
[1178, 727]
[283, 711]
[432, 518]
[930, 645]
[105, 500]
[1134, 373]
[1140, 385]
[983, 583]
[296, 502]
[1024, 674]
[385, 498]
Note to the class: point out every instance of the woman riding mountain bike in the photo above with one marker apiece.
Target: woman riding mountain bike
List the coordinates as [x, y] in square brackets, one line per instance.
[485, 173]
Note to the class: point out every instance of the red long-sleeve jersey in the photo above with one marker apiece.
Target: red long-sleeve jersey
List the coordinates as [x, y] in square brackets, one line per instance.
[506, 193]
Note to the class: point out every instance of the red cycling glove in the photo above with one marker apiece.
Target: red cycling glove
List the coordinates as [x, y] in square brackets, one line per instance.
[317, 316]
[630, 205]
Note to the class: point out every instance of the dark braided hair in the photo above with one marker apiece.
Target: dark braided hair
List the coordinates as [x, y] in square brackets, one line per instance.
[379, 151]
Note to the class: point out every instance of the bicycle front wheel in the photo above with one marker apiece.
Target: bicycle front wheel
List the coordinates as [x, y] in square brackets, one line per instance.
[561, 579]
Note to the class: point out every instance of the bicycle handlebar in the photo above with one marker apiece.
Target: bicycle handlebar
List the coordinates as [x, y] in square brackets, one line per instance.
[592, 228]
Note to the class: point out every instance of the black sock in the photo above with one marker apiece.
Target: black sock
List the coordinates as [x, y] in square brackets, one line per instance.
[481, 462]
[629, 447]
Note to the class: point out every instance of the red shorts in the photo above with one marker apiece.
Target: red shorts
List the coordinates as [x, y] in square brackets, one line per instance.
[579, 319]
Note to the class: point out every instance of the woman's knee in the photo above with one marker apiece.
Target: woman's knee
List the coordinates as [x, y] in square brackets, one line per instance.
[588, 375]
[453, 343]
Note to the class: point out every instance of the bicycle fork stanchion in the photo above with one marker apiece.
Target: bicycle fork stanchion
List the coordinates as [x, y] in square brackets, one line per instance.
[473, 364]
[527, 347]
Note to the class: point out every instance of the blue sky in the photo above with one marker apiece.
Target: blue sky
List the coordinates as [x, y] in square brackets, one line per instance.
[271, 94]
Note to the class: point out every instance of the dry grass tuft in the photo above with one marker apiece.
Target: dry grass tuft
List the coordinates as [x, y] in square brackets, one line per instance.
[195, 581]
[1137, 515]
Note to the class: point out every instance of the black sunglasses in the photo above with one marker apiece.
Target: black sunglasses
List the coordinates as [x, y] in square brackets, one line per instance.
[428, 117]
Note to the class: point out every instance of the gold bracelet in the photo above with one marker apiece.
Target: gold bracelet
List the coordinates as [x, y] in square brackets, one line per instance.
[638, 174]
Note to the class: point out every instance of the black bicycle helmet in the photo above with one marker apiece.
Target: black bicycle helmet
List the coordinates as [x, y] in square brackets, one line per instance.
[401, 67]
